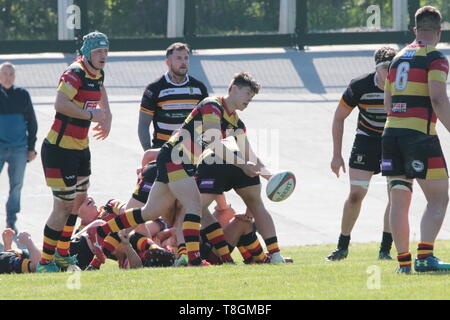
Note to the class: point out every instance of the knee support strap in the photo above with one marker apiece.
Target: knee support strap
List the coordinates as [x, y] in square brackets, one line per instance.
[400, 184]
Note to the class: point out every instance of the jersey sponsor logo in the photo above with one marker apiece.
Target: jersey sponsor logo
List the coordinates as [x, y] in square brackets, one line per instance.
[147, 187]
[90, 84]
[373, 96]
[207, 183]
[180, 91]
[90, 104]
[408, 54]
[399, 107]
[386, 165]
[417, 165]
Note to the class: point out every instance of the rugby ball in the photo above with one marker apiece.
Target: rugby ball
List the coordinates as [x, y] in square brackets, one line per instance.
[280, 186]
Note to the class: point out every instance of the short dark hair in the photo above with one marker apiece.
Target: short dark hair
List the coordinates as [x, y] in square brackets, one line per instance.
[384, 54]
[428, 18]
[245, 79]
[177, 46]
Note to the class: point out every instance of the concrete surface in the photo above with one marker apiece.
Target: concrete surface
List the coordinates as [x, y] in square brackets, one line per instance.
[289, 123]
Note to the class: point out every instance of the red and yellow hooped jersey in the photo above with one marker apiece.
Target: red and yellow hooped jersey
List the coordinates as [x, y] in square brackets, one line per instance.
[84, 89]
[409, 74]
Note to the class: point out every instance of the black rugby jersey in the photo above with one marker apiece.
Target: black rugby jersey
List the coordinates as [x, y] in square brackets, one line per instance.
[364, 93]
[170, 103]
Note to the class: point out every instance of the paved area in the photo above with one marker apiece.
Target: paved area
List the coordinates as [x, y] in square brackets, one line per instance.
[289, 125]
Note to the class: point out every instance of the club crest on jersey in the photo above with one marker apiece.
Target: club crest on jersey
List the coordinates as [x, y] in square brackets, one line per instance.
[399, 107]
[408, 55]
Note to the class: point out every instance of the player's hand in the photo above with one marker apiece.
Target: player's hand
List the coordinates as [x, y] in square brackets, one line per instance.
[103, 127]
[250, 169]
[8, 235]
[336, 164]
[24, 238]
[31, 156]
[98, 115]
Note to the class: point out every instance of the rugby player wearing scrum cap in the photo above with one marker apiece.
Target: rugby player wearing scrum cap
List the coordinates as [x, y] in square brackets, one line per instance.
[65, 151]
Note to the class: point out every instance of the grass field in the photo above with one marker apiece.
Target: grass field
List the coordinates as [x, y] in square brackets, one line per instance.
[360, 276]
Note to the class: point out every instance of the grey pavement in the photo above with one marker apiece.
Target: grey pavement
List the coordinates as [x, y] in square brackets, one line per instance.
[289, 124]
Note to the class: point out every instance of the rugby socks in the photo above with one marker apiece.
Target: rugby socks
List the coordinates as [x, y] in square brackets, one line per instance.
[272, 245]
[214, 234]
[63, 245]
[191, 233]
[130, 218]
[404, 259]
[141, 243]
[425, 249]
[343, 242]
[244, 252]
[95, 262]
[181, 250]
[386, 242]
[252, 244]
[110, 244]
[50, 241]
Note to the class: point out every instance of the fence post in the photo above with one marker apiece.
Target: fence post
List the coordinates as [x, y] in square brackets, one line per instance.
[190, 23]
[301, 23]
[175, 18]
[286, 24]
[64, 31]
[79, 33]
[413, 6]
[400, 15]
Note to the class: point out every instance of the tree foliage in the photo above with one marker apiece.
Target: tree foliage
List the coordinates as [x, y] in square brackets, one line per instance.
[38, 19]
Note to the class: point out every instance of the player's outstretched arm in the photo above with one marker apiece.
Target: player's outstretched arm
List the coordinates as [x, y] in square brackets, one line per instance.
[133, 258]
[35, 255]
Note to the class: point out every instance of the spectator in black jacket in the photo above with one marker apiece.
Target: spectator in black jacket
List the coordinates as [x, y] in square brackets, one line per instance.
[18, 129]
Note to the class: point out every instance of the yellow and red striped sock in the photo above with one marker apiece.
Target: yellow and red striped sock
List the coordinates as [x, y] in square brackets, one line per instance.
[130, 218]
[252, 244]
[110, 244]
[95, 262]
[191, 233]
[425, 249]
[181, 250]
[214, 234]
[50, 241]
[272, 245]
[63, 244]
[244, 252]
[404, 259]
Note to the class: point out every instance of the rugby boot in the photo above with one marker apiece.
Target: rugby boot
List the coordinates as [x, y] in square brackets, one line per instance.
[204, 263]
[181, 261]
[276, 258]
[383, 255]
[404, 270]
[64, 262]
[338, 254]
[47, 268]
[430, 263]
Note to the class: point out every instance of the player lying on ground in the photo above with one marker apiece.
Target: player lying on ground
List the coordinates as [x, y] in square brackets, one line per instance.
[18, 260]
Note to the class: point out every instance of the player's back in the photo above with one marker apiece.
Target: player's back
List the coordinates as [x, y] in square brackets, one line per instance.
[411, 110]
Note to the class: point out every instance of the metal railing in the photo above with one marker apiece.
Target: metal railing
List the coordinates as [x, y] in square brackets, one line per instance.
[298, 39]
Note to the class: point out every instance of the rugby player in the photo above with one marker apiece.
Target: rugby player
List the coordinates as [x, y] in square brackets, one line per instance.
[210, 120]
[365, 92]
[169, 100]
[415, 97]
[65, 151]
